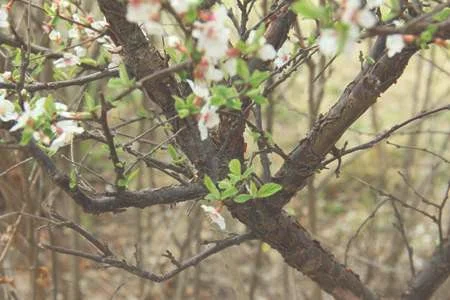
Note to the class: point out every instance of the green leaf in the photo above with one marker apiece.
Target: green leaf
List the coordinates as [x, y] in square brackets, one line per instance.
[253, 189]
[89, 102]
[309, 10]
[88, 61]
[235, 167]
[247, 172]
[260, 99]
[27, 135]
[258, 77]
[228, 193]
[242, 69]
[123, 183]
[242, 198]
[73, 180]
[442, 15]
[209, 184]
[123, 74]
[268, 190]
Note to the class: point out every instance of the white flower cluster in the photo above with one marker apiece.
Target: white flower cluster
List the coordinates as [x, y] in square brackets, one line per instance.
[63, 131]
[212, 35]
[354, 16]
[83, 36]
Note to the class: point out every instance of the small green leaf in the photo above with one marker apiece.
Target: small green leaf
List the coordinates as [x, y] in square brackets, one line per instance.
[242, 69]
[248, 172]
[253, 189]
[309, 10]
[268, 190]
[209, 184]
[73, 180]
[235, 167]
[442, 15]
[242, 198]
[228, 193]
[258, 77]
[123, 74]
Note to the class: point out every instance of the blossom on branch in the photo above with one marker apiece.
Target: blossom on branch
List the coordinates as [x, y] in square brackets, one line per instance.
[7, 110]
[68, 60]
[208, 118]
[214, 216]
[212, 34]
[65, 131]
[147, 13]
[394, 44]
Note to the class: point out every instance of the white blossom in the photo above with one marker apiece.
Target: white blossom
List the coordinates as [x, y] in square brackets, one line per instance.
[200, 89]
[7, 111]
[267, 52]
[394, 44]
[29, 115]
[214, 216]
[230, 66]
[366, 18]
[67, 60]
[146, 13]
[212, 35]
[283, 56]
[65, 130]
[80, 51]
[374, 3]
[182, 6]
[328, 42]
[209, 118]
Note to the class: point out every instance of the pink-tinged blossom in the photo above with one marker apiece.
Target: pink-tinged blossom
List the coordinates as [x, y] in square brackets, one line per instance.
[7, 111]
[4, 18]
[65, 131]
[283, 56]
[212, 35]
[214, 216]
[67, 60]
[266, 51]
[146, 13]
[394, 44]
[206, 70]
[353, 14]
[208, 118]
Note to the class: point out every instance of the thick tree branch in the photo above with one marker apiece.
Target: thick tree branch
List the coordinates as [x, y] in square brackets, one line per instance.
[432, 276]
[143, 59]
[113, 202]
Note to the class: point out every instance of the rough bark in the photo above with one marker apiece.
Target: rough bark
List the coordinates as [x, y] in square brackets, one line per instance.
[432, 276]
